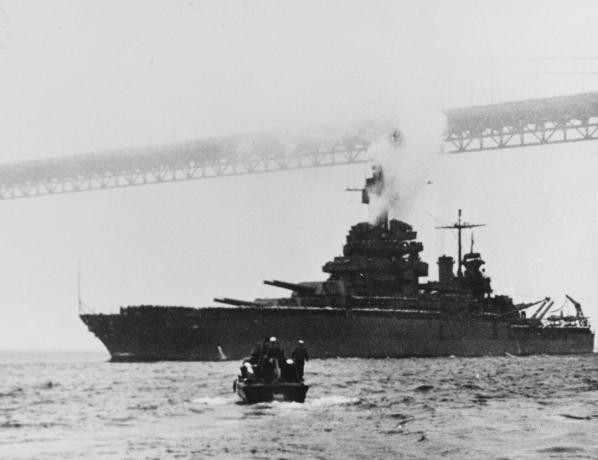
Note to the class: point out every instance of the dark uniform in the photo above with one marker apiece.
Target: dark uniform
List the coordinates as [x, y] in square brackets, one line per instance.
[289, 372]
[256, 354]
[278, 354]
[265, 367]
[300, 355]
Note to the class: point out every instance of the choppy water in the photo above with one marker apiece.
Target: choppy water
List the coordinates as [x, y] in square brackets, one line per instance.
[76, 406]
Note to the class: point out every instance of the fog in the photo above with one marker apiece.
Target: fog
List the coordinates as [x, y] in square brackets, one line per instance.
[89, 76]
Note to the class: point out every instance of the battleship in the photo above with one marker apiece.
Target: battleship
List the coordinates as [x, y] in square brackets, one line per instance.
[372, 305]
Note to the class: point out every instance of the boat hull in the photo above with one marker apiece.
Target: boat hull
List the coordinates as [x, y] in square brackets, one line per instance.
[252, 393]
[208, 334]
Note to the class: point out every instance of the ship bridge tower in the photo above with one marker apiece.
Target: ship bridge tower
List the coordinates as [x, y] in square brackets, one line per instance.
[459, 226]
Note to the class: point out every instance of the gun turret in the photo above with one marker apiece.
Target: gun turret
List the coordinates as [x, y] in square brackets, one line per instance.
[298, 288]
[238, 303]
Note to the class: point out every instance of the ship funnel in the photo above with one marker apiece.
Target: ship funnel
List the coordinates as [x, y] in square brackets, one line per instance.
[445, 270]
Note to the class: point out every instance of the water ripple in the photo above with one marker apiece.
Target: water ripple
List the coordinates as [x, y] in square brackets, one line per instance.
[500, 407]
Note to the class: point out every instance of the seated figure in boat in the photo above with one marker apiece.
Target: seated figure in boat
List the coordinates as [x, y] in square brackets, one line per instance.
[267, 376]
[268, 364]
[289, 372]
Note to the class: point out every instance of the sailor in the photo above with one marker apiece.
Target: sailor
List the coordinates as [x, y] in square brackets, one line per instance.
[289, 371]
[254, 362]
[300, 355]
[267, 370]
[265, 350]
[276, 357]
[247, 371]
[256, 354]
[263, 366]
[276, 352]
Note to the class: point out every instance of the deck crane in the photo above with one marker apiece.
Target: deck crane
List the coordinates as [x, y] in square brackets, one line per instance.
[548, 307]
[577, 306]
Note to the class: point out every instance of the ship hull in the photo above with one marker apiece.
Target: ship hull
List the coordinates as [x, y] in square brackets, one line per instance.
[186, 334]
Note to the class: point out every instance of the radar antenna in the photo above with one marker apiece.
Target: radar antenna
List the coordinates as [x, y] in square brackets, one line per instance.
[459, 225]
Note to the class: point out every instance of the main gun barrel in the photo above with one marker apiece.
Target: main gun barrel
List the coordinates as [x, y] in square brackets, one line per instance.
[237, 303]
[298, 288]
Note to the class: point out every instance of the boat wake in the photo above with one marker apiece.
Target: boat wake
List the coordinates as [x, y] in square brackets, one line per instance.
[213, 400]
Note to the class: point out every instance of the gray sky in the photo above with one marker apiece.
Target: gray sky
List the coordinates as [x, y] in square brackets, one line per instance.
[88, 76]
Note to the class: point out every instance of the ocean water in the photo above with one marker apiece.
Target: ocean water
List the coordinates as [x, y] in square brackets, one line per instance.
[72, 406]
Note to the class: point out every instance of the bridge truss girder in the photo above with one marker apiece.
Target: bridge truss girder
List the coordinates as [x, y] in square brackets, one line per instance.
[523, 123]
[165, 172]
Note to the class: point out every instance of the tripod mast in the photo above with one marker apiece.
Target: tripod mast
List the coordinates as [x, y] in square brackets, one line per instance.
[459, 225]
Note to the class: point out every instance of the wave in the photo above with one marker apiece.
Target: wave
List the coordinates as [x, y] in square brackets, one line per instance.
[15, 424]
[13, 392]
[562, 450]
[332, 401]
[578, 417]
[212, 400]
[48, 385]
[424, 388]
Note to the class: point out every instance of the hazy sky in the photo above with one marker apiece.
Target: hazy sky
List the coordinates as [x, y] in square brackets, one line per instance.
[86, 76]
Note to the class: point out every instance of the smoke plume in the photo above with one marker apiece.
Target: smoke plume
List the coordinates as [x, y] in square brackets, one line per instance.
[407, 157]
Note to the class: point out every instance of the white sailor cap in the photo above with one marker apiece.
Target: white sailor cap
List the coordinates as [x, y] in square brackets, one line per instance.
[300, 341]
[272, 339]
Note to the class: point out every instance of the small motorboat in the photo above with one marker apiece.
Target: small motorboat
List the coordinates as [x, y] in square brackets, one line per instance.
[253, 392]
[266, 376]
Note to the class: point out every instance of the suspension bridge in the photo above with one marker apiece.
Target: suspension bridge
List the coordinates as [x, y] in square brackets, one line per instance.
[533, 122]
